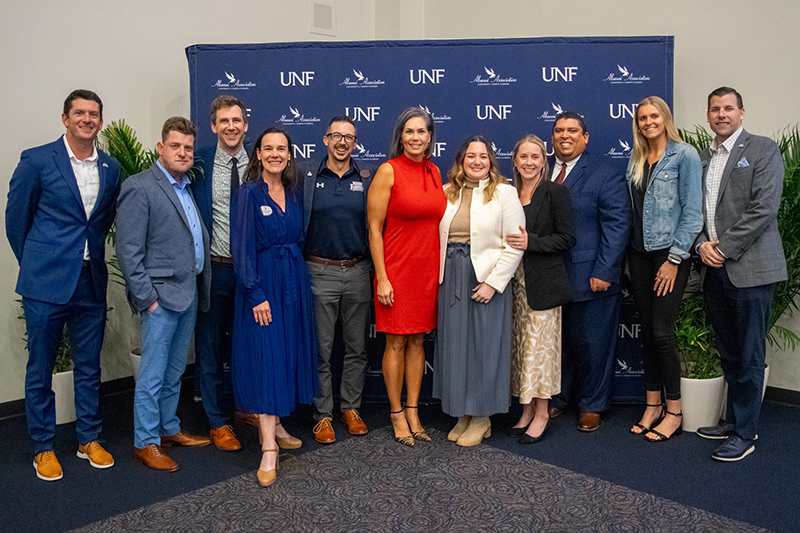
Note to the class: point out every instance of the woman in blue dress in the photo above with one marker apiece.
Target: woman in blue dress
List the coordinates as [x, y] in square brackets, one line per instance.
[274, 340]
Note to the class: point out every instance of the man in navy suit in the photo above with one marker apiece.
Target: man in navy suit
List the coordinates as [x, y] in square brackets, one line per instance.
[61, 203]
[163, 252]
[219, 168]
[602, 222]
[743, 259]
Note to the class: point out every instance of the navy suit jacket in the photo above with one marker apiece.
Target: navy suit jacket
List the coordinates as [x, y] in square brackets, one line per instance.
[602, 211]
[47, 227]
[155, 247]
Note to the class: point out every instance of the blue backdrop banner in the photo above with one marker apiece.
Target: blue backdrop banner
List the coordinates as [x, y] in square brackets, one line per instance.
[500, 88]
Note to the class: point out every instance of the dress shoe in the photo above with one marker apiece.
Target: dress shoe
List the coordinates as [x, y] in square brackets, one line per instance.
[154, 457]
[720, 431]
[480, 427]
[589, 422]
[267, 477]
[735, 448]
[352, 420]
[182, 438]
[286, 443]
[47, 466]
[245, 418]
[655, 436]
[516, 433]
[323, 432]
[527, 439]
[225, 439]
[459, 429]
[97, 456]
[554, 411]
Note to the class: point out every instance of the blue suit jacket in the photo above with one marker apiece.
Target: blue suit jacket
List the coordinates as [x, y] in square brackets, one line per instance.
[602, 211]
[47, 227]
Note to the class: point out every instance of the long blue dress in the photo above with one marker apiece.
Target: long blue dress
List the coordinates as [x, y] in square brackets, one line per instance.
[274, 366]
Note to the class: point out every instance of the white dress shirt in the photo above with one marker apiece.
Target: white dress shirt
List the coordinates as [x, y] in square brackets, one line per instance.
[88, 177]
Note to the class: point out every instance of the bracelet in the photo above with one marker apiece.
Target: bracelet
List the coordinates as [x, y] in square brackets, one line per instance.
[674, 258]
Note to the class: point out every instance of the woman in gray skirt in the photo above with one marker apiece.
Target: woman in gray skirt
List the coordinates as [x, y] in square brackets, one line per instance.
[473, 342]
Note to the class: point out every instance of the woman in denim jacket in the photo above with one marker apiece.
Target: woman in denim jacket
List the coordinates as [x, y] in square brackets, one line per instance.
[665, 185]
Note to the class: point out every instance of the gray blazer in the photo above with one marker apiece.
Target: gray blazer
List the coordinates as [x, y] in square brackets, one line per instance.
[155, 247]
[747, 208]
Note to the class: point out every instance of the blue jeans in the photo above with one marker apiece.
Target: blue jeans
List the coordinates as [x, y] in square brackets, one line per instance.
[166, 336]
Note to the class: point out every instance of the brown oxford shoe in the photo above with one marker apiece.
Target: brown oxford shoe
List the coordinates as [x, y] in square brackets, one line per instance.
[554, 411]
[182, 438]
[352, 420]
[154, 457]
[589, 422]
[245, 418]
[323, 432]
[225, 439]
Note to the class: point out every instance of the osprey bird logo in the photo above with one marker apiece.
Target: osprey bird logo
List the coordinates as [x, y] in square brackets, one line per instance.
[494, 148]
[358, 75]
[295, 112]
[625, 146]
[557, 108]
[623, 365]
[231, 77]
[361, 149]
[623, 70]
[425, 108]
[490, 72]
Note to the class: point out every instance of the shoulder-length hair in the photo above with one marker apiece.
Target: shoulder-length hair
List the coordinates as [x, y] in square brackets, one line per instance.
[458, 178]
[533, 139]
[255, 168]
[640, 146]
[396, 148]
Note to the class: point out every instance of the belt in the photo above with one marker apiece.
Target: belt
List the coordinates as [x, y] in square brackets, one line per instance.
[344, 263]
[221, 259]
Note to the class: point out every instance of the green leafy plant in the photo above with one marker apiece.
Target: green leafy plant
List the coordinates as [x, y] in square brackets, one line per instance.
[695, 337]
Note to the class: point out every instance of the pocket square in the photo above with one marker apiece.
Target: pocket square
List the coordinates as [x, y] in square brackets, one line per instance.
[742, 163]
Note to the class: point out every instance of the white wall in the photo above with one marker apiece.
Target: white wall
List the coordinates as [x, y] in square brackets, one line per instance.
[132, 55]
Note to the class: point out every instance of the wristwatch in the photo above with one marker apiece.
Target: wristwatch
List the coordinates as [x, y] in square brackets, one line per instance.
[674, 258]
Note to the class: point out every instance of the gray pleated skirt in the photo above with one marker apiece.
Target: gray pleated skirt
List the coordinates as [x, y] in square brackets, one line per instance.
[472, 354]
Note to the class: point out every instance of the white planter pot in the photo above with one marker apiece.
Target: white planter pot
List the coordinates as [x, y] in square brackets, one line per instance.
[136, 358]
[725, 394]
[701, 401]
[64, 388]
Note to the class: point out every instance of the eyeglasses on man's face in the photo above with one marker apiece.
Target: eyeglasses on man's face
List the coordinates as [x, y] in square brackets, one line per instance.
[336, 137]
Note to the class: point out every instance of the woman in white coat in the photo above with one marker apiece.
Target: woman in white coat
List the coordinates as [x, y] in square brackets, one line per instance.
[473, 343]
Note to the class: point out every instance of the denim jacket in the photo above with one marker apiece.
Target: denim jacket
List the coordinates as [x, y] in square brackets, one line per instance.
[673, 203]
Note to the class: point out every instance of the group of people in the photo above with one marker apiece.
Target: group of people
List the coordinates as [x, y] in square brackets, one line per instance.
[262, 258]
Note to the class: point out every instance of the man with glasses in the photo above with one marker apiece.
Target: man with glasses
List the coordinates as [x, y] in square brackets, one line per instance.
[338, 260]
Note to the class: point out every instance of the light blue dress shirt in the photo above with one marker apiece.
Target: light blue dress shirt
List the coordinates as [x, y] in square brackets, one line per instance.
[190, 210]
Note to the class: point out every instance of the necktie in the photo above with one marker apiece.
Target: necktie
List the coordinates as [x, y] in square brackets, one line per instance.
[562, 174]
[234, 176]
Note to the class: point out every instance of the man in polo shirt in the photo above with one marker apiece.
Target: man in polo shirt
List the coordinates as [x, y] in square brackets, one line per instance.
[743, 259]
[338, 260]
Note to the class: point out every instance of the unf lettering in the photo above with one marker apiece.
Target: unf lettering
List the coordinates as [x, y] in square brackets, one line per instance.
[304, 151]
[423, 76]
[368, 114]
[622, 110]
[294, 78]
[555, 73]
[491, 112]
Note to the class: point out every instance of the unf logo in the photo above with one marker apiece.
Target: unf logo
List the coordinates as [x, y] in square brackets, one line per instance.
[423, 76]
[491, 112]
[438, 149]
[291, 78]
[363, 113]
[622, 110]
[304, 151]
[555, 73]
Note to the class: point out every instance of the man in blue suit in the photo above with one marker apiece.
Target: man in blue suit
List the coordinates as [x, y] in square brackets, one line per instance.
[602, 222]
[61, 203]
[163, 252]
[743, 259]
[218, 171]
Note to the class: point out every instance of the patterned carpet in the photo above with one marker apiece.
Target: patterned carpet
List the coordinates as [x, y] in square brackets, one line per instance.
[373, 484]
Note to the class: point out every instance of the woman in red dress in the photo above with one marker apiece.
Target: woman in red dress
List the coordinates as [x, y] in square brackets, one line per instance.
[404, 206]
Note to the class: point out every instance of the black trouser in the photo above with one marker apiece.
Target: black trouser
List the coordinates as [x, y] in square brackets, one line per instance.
[662, 369]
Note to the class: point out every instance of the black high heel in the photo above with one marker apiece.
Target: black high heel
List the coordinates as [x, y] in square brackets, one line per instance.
[418, 435]
[660, 437]
[408, 440]
[644, 429]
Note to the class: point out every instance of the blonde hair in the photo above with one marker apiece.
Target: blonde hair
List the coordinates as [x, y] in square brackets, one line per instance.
[640, 146]
[533, 139]
[458, 178]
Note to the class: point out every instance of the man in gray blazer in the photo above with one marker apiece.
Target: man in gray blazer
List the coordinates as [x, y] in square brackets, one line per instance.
[163, 250]
[743, 258]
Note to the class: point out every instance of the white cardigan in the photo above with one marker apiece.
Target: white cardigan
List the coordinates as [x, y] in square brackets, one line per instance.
[489, 223]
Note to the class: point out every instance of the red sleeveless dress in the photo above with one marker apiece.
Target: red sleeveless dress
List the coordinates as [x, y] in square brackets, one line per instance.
[411, 247]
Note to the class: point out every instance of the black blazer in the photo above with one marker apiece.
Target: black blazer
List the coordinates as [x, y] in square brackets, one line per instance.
[551, 234]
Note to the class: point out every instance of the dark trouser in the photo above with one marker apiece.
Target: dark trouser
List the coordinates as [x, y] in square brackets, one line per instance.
[85, 317]
[341, 293]
[589, 336]
[212, 338]
[662, 368]
[739, 317]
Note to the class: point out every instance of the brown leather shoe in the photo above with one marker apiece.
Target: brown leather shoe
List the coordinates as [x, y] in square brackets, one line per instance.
[323, 432]
[47, 466]
[589, 422]
[225, 439]
[182, 438]
[352, 420]
[97, 456]
[554, 411]
[154, 457]
[246, 418]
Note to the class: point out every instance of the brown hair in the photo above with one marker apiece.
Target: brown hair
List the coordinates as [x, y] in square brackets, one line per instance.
[458, 178]
[255, 168]
[179, 124]
[225, 100]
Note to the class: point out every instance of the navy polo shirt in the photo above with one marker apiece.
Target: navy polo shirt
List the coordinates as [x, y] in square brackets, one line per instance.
[337, 228]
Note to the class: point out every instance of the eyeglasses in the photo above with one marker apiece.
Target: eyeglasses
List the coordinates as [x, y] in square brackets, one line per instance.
[336, 137]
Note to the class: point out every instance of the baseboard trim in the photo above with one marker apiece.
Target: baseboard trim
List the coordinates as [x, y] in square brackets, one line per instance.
[775, 394]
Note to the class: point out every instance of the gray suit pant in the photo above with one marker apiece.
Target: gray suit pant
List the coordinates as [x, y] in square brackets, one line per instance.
[341, 294]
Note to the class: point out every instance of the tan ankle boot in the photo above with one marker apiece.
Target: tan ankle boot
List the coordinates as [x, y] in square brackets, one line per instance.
[480, 427]
[459, 429]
